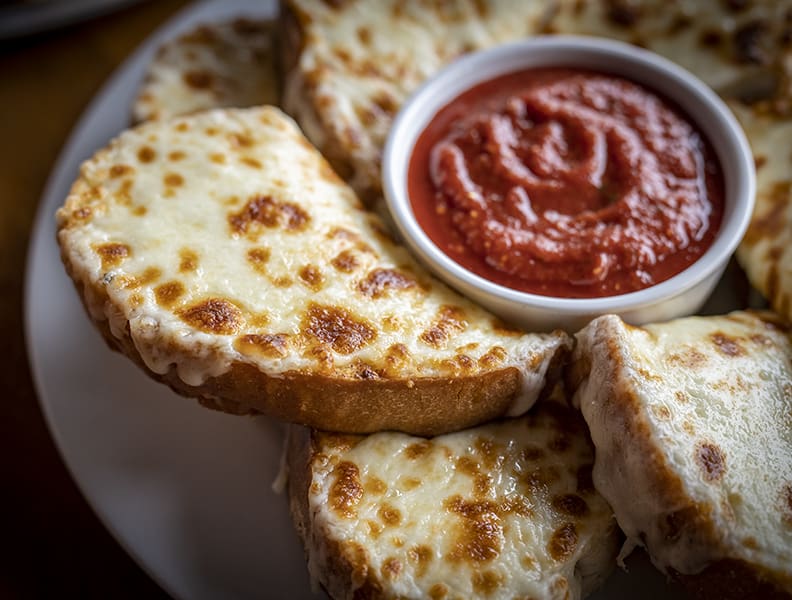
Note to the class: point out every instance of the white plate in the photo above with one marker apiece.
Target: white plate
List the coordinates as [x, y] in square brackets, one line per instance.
[186, 491]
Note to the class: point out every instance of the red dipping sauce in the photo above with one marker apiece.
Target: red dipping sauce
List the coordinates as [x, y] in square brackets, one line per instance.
[567, 183]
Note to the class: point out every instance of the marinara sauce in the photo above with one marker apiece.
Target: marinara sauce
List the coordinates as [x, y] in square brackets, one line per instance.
[568, 183]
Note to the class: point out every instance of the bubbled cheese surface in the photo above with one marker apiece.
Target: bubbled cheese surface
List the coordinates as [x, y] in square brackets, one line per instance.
[225, 237]
[505, 510]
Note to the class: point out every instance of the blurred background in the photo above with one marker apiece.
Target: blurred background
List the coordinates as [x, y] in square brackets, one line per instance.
[54, 56]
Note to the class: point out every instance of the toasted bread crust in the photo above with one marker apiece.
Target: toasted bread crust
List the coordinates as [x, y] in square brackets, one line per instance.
[419, 407]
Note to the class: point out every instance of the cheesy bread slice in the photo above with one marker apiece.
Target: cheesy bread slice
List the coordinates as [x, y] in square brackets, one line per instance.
[228, 64]
[766, 250]
[692, 425]
[734, 47]
[504, 510]
[349, 66]
[222, 253]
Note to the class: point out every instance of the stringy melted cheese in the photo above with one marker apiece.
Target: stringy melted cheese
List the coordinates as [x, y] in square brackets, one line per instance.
[226, 237]
[504, 510]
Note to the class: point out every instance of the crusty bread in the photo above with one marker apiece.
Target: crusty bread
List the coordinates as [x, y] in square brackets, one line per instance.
[692, 425]
[221, 251]
[227, 64]
[504, 510]
[350, 66]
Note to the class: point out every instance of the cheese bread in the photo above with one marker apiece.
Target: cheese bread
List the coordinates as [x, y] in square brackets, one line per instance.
[222, 253]
[692, 425]
[504, 510]
[229, 64]
[350, 66]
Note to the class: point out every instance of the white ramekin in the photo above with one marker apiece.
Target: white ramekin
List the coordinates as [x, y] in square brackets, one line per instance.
[680, 295]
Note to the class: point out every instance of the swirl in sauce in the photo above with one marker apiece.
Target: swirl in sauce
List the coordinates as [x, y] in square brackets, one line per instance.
[566, 182]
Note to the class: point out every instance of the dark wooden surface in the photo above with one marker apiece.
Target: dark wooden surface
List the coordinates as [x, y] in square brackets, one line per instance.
[51, 543]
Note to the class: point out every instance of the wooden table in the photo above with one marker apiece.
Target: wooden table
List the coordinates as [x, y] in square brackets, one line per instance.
[52, 543]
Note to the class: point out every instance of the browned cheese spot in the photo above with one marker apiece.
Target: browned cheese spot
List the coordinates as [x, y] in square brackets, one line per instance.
[750, 542]
[182, 127]
[169, 293]
[176, 155]
[759, 161]
[215, 315]
[375, 486]
[480, 535]
[364, 35]
[241, 140]
[111, 254]
[334, 326]
[420, 556]
[563, 542]
[266, 345]
[418, 449]
[117, 171]
[711, 460]
[450, 320]
[312, 277]
[689, 358]
[378, 281]
[662, 412]
[389, 515]
[492, 358]
[726, 344]
[139, 210]
[199, 80]
[770, 224]
[282, 282]
[438, 591]
[397, 358]
[346, 492]
[375, 528]
[571, 504]
[391, 568]
[258, 258]
[188, 260]
[346, 261]
[217, 158]
[146, 154]
[681, 397]
[251, 162]
[407, 484]
[623, 12]
[268, 212]
[486, 582]
[786, 503]
[173, 179]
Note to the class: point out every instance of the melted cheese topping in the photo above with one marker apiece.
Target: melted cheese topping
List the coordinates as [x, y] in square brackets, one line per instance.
[733, 47]
[692, 424]
[215, 65]
[225, 237]
[503, 511]
[360, 60]
[766, 250]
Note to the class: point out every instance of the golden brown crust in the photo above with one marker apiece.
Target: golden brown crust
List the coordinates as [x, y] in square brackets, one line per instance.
[418, 406]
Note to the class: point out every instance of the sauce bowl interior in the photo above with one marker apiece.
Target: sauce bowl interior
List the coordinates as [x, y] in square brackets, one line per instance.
[681, 294]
